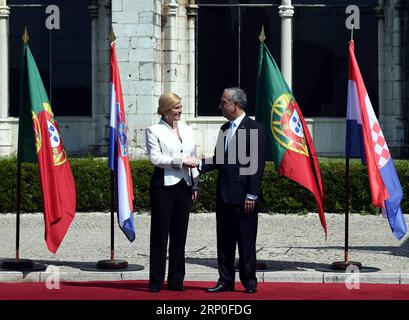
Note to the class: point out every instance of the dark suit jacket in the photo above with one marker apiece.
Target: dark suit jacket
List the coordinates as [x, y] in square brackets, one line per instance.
[233, 184]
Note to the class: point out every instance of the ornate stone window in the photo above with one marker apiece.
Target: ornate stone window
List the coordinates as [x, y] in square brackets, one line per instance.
[63, 56]
[320, 55]
[317, 46]
[227, 46]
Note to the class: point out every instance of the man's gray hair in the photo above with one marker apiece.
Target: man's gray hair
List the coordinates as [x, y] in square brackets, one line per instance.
[237, 95]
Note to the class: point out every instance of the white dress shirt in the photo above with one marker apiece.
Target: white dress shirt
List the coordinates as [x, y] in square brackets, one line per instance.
[233, 128]
[167, 151]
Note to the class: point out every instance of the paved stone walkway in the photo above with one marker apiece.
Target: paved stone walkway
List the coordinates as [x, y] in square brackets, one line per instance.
[292, 246]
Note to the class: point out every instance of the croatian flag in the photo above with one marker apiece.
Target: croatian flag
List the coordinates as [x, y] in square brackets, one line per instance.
[365, 140]
[118, 160]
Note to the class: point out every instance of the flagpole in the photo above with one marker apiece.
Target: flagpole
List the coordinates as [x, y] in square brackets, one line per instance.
[346, 257]
[112, 263]
[259, 264]
[25, 39]
[18, 210]
[343, 265]
[18, 264]
[346, 263]
[112, 215]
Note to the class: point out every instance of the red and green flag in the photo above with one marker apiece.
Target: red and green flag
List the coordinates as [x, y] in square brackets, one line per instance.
[290, 144]
[39, 140]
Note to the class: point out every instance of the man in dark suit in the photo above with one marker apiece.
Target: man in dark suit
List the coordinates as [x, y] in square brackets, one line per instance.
[240, 159]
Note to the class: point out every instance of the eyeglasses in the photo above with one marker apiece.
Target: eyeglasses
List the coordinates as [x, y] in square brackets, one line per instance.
[223, 103]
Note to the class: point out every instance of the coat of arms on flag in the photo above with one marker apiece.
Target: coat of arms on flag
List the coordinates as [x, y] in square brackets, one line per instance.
[286, 125]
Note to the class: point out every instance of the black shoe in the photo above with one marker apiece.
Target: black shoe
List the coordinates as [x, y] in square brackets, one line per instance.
[153, 289]
[219, 288]
[176, 288]
[249, 290]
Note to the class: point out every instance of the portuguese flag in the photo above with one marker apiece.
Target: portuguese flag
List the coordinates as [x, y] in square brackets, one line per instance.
[291, 146]
[39, 140]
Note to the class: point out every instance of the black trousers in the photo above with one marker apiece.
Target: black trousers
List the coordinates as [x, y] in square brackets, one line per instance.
[170, 208]
[236, 227]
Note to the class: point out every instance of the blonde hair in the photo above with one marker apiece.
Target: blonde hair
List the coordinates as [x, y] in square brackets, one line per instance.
[167, 101]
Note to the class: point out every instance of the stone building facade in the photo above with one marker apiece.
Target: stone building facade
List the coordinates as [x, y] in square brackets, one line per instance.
[157, 52]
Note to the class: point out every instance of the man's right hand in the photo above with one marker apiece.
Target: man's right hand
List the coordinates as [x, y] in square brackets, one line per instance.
[191, 162]
[249, 206]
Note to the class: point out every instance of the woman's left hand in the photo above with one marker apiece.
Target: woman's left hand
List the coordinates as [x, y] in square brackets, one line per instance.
[194, 195]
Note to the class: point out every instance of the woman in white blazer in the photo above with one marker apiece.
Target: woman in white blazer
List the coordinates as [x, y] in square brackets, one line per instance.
[173, 188]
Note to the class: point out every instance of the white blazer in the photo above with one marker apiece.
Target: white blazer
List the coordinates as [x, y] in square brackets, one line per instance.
[166, 151]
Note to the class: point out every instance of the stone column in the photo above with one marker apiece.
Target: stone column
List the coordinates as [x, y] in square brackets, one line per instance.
[286, 12]
[93, 9]
[4, 65]
[380, 14]
[392, 110]
[103, 75]
[170, 47]
[400, 146]
[192, 13]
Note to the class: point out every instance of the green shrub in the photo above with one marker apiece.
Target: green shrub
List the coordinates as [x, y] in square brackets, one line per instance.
[279, 194]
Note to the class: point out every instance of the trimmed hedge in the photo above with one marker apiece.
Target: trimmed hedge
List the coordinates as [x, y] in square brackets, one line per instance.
[279, 194]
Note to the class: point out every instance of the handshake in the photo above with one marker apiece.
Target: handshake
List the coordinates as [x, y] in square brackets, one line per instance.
[191, 162]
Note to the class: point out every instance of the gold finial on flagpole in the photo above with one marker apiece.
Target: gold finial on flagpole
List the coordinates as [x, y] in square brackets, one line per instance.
[112, 36]
[25, 36]
[262, 35]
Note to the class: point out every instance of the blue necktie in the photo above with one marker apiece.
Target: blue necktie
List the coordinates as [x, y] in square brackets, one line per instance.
[229, 135]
